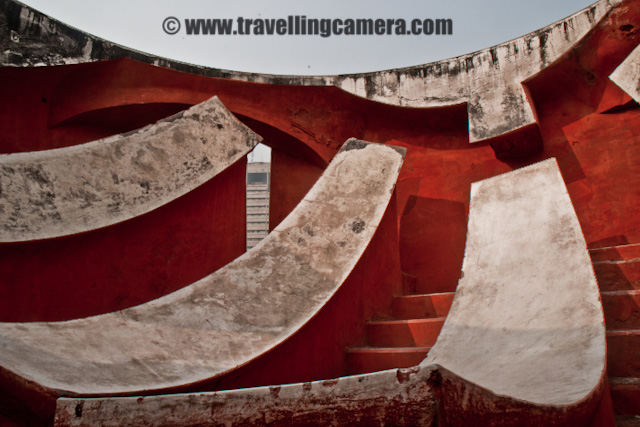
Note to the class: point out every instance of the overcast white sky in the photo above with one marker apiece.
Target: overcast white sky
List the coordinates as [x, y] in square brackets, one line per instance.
[477, 24]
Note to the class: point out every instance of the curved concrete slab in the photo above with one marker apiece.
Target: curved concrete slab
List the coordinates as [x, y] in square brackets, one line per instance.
[526, 322]
[488, 81]
[523, 343]
[627, 75]
[70, 190]
[227, 318]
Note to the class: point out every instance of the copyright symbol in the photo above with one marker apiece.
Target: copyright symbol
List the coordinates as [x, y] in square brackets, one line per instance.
[171, 25]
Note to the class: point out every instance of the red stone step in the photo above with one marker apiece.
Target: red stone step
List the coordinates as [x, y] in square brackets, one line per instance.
[623, 348]
[365, 360]
[621, 309]
[617, 275]
[625, 394]
[404, 333]
[627, 421]
[616, 253]
[422, 306]
[617, 268]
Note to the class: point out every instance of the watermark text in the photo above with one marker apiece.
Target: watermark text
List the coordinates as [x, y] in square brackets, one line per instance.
[300, 25]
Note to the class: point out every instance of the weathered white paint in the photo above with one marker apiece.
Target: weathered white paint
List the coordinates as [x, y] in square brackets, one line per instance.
[526, 321]
[52, 193]
[489, 81]
[627, 75]
[399, 398]
[229, 317]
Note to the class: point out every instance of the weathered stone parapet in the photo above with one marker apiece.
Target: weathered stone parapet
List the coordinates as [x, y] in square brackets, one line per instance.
[489, 81]
[399, 398]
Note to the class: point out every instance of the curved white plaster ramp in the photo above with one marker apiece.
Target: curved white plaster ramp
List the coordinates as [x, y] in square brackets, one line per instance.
[489, 80]
[526, 325]
[229, 317]
[70, 190]
[526, 321]
[627, 75]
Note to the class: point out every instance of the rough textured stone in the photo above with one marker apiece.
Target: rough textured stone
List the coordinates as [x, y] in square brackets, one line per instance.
[53, 193]
[397, 397]
[489, 81]
[229, 317]
[627, 75]
[523, 343]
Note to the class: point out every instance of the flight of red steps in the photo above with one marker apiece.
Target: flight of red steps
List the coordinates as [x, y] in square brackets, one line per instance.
[405, 340]
[617, 269]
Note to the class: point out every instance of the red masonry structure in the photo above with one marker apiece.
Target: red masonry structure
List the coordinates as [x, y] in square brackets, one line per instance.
[472, 153]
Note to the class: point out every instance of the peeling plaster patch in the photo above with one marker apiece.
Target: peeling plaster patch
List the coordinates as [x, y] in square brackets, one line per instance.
[354, 144]
[404, 375]
[543, 37]
[275, 391]
[357, 226]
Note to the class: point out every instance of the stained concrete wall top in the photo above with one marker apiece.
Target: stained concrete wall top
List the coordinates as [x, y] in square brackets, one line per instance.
[489, 80]
[229, 317]
[69, 190]
[526, 321]
[627, 75]
[389, 398]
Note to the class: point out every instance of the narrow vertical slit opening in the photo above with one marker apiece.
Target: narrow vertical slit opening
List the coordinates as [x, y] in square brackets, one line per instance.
[258, 194]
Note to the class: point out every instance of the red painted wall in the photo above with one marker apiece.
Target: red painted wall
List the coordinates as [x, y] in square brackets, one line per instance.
[28, 99]
[291, 179]
[586, 122]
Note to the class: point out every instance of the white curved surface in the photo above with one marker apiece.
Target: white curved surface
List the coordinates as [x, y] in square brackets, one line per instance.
[627, 75]
[229, 317]
[53, 193]
[526, 324]
[526, 321]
